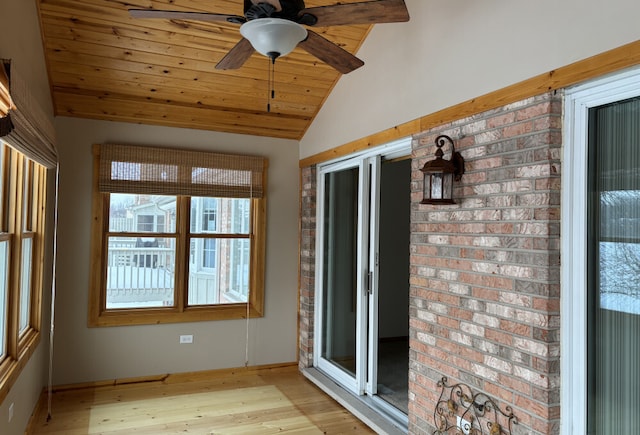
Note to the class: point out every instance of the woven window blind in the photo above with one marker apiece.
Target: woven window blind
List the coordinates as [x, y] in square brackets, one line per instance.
[5, 97]
[166, 171]
[23, 123]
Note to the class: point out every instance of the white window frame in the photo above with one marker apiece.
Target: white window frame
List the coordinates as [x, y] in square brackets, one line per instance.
[573, 300]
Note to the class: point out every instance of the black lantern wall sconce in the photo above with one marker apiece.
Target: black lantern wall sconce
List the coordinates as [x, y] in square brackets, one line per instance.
[440, 173]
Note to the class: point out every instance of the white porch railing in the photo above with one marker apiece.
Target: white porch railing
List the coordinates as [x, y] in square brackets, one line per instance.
[140, 276]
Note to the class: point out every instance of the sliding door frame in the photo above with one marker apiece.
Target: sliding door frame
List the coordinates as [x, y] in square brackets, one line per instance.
[368, 163]
[573, 309]
[354, 384]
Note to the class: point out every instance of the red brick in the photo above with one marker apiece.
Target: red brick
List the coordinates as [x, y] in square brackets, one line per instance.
[499, 336]
[448, 322]
[485, 293]
[460, 313]
[548, 305]
[516, 328]
[517, 129]
[497, 391]
[532, 406]
[533, 111]
[501, 119]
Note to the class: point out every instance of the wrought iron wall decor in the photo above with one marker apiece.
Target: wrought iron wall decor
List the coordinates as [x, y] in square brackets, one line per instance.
[461, 411]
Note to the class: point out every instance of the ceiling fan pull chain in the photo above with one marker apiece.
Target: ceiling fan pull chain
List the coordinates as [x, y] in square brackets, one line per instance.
[268, 87]
[272, 79]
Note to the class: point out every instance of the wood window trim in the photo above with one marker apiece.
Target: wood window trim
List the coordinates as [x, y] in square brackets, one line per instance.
[20, 347]
[99, 316]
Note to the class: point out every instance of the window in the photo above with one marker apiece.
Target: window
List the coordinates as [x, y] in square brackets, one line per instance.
[145, 223]
[179, 236]
[4, 296]
[209, 212]
[601, 257]
[22, 194]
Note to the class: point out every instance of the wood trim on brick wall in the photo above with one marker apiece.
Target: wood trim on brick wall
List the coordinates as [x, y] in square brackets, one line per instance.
[610, 61]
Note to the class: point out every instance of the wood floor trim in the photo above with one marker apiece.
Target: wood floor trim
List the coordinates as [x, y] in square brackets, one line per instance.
[176, 377]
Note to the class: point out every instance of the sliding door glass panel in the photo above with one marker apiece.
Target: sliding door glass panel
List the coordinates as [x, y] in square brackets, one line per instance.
[393, 284]
[339, 313]
[614, 269]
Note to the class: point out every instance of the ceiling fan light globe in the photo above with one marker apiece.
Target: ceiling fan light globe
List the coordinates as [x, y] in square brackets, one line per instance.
[273, 35]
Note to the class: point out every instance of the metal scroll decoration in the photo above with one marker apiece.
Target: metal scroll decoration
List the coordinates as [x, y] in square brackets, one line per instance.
[460, 411]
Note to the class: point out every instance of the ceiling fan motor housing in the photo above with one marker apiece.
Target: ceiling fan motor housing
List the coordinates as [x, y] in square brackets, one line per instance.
[289, 10]
[261, 10]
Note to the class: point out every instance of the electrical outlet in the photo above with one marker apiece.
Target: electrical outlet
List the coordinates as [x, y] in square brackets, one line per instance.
[464, 425]
[184, 339]
[10, 412]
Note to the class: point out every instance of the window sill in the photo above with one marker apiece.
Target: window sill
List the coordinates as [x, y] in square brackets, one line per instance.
[11, 368]
[150, 316]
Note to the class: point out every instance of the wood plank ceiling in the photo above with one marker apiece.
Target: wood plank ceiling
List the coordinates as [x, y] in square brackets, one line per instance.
[103, 64]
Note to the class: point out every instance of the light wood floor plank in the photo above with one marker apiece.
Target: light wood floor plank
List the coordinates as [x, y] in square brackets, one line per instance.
[251, 402]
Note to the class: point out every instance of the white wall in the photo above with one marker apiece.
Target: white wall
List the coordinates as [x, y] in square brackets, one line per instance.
[21, 42]
[452, 51]
[90, 354]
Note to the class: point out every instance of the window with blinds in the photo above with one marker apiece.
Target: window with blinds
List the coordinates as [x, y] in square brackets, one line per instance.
[179, 235]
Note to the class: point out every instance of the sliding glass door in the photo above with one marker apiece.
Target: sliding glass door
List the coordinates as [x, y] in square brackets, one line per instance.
[613, 244]
[344, 271]
[348, 322]
[340, 270]
[600, 309]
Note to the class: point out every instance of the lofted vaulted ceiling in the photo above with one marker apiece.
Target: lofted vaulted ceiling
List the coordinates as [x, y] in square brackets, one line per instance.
[104, 64]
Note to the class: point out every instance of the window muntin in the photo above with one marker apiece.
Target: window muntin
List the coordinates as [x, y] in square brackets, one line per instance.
[203, 253]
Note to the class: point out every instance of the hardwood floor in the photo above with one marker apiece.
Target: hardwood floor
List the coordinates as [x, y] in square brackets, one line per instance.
[243, 401]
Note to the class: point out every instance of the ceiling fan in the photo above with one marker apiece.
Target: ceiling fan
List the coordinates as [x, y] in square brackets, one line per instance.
[275, 27]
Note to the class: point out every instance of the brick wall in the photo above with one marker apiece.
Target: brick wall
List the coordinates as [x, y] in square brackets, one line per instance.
[484, 297]
[307, 265]
[485, 272]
